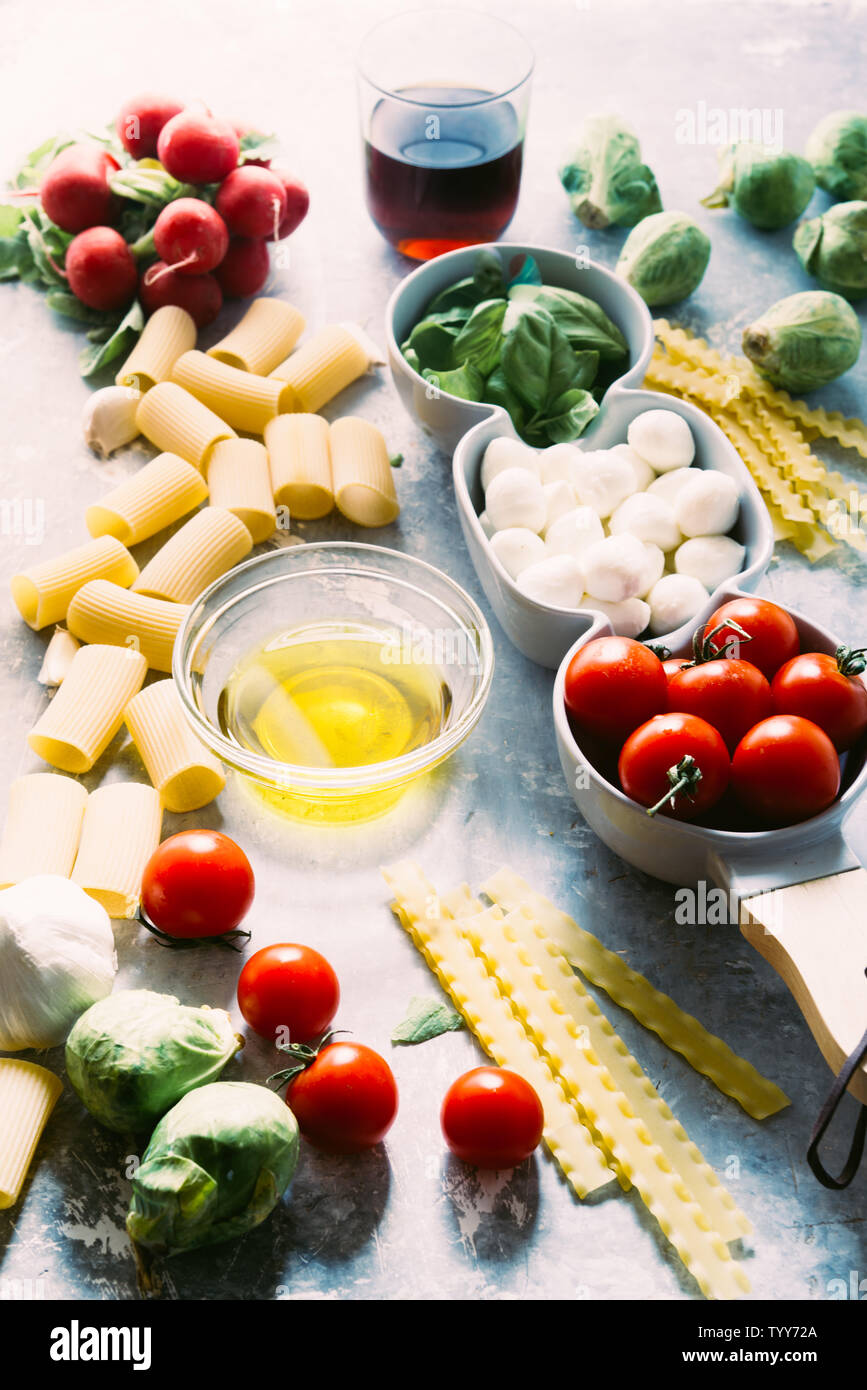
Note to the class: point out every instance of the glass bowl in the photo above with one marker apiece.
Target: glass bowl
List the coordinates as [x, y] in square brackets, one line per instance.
[420, 614]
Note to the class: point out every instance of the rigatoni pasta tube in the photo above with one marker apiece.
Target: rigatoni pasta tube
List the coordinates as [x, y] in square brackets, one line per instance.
[121, 830]
[180, 767]
[210, 543]
[324, 367]
[176, 422]
[43, 826]
[28, 1094]
[43, 593]
[87, 710]
[363, 476]
[264, 337]
[239, 479]
[168, 333]
[101, 612]
[162, 492]
[299, 454]
[245, 401]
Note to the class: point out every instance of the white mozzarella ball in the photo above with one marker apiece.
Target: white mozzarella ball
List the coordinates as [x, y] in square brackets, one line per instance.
[516, 548]
[485, 523]
[663, 439]
[709, 505]
[629, 618]
[556, 463]
[602, 480]
[574, 532]
[669, 486]
[613, 568]
[710, 559]
[649, 518]
[557, 580]
[654, 568]
[642, 470]
[674, 599]
[559, 499]
[503, 453]
[515, 498]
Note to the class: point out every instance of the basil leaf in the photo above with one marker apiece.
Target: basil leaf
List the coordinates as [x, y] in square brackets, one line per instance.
[499, 392]
[434, 343]
[119, 344]
[426, 1018]
[569, 416]
[411, 357]
[466, 382]
[584, 323]
[587, 365]
[463, 294]
[488, 276]
[480, 340]
[537, 361]
[527, 274]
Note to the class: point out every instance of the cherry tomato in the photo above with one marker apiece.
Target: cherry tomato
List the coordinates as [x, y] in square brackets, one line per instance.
[346, 1100]
[827, 689]
[772, 632]
[672, 665]
[785, 770]
[730, 694]
[288, 989]
[675, 756]
[197, 883]
[492, 1118]
[613, 685]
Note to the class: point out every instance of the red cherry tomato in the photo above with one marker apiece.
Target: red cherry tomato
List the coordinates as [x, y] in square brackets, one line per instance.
[731, 695]
[674, 664]
[827, 689]
[613, 685]
[492, 1118]
[288, 993]
[198, 883]
[772, 632]
[785, 770]
[346, 1100]
[675, 756]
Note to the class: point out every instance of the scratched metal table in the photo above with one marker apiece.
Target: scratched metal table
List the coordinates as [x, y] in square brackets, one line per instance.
[406, 1221]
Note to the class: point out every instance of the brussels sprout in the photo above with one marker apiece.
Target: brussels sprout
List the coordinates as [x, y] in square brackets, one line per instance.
[769, 187]
[837, 150]
[664, 258]
[216, 1166]
[833, 248]
[604, 177]
[804, 341]
[132, 1056]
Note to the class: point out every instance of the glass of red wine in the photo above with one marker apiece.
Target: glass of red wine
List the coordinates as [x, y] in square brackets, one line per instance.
[444, 97]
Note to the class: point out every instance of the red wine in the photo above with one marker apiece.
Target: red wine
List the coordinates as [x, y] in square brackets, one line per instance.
[444, 172]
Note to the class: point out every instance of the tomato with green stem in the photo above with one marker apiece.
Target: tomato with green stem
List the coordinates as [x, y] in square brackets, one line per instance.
[198, 883]
[290, 990]
[785, 770]
[728, 692]
[827, 689]
[343, 1095]
[676, 764]
[492, 1118]
[756, 630]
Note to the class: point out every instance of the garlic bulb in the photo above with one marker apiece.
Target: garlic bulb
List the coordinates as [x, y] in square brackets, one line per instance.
[57, 957]
[108, 420]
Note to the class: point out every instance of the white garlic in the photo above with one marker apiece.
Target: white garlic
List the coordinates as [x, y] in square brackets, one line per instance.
[516, 548]
[58, 657]
[108, 419]
[663, 439]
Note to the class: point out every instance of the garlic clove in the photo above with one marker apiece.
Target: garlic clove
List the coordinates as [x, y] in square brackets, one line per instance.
[108, 419]
[58, 657]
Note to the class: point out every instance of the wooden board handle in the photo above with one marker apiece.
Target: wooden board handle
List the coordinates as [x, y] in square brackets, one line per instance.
[815, 936]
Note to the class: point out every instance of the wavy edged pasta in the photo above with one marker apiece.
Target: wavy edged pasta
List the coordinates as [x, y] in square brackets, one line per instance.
[168, 333]
[244, 401]
[362, 473]
[179, 766]
[299, 454]
[87, 710]
[207, 545]
[319, 370]
[43, 593]
[239, 479]
[263, 338]
[104, 613]
[121, 830]
[156, 496]
[177, 423]
[43, 827]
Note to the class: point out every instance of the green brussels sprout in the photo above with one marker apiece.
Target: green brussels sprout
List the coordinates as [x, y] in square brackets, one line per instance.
[604, 177]
[768, 187]
[837, 150]
[132, 1056]
[804, 341]
[664, 258]
[833, 248]
[216, 1166]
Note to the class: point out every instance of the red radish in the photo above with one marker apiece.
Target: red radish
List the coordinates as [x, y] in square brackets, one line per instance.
[140, 121]
[75, 192]
[191, 236]
[251, 201]
[244, 268]
[195, 147]
[200, 295]
[100, 269]
[297, 203]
